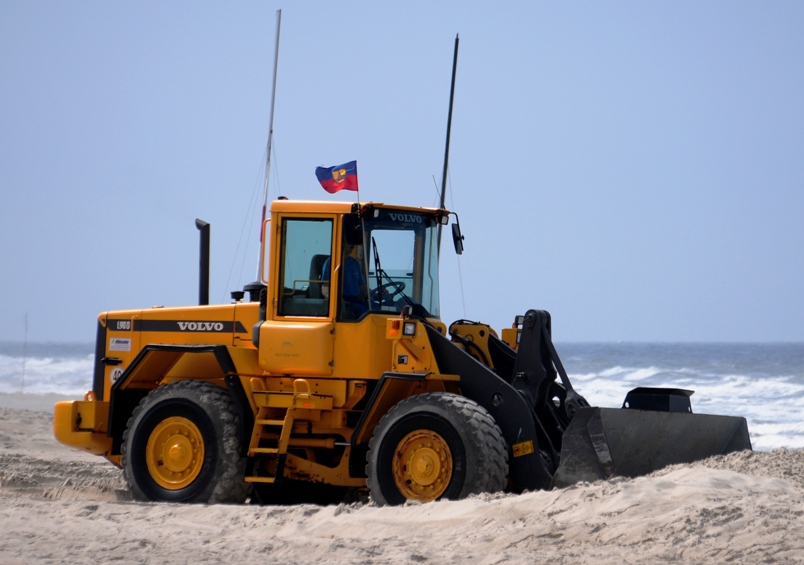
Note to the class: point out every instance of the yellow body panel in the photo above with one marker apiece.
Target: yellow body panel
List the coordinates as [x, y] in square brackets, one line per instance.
[511, 337]
[297, 348]
[361, 350]
[82, 424]
[318, 207]
[128, 331]
[474, 339]
[411, 353]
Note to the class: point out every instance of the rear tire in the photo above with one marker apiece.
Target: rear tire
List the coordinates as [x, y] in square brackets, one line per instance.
[435, 446]
[181, 445]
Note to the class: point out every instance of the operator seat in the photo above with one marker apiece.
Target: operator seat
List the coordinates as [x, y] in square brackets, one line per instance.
[316, 268]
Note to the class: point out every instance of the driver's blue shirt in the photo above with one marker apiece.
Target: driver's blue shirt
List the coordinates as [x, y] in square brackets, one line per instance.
[353, 279]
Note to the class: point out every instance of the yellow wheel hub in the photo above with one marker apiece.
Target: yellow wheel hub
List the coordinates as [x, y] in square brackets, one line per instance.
[175, 453]
[422, 467]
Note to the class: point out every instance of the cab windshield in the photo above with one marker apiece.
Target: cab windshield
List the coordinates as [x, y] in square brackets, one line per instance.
[401, 261]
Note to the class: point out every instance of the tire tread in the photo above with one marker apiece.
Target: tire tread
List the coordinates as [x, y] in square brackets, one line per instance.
[230, 486]
[491, 461]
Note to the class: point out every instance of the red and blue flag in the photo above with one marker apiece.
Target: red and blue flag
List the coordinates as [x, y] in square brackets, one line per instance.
[342, 177]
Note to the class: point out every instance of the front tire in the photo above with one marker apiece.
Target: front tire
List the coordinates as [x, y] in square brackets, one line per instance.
[181, 445]
[435, 446]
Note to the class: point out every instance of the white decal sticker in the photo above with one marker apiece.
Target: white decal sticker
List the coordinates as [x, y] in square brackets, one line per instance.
[116, 372]
[119, 344]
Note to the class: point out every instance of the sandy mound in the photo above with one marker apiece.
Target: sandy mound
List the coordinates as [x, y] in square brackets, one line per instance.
[58, 505]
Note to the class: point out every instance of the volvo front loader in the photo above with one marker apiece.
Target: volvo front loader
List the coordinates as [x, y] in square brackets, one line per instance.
[336, 374]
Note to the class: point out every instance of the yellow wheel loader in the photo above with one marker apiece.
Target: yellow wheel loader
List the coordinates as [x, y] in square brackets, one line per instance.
[336, 374]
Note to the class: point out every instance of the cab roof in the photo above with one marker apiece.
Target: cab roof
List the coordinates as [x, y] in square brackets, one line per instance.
[339, 207]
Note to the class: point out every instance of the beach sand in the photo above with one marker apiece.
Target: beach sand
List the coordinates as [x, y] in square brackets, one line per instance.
[58, 505]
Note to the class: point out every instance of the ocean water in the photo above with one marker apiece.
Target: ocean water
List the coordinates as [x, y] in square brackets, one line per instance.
[762, 382]
[39, 368]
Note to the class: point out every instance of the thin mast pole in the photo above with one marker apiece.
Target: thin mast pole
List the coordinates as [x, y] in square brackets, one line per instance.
[449, 123]
[24, 351]
[449, 129]
[270, 145]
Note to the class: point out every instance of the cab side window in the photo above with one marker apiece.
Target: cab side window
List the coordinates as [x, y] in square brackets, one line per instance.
[306, 245]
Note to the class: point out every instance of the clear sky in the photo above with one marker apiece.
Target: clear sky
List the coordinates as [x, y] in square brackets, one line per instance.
[635, 168]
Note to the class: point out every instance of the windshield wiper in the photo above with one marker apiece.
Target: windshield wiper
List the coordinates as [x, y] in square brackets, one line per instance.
[397, 287]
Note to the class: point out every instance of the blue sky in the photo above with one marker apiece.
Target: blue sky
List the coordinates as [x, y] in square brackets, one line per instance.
[634, 168]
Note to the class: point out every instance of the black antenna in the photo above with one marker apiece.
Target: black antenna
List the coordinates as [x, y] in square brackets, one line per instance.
[449, 128]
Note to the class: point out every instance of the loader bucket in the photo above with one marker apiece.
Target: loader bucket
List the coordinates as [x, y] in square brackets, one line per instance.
[603, 442]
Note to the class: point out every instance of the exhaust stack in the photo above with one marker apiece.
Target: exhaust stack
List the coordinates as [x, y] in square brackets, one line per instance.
[203, 263]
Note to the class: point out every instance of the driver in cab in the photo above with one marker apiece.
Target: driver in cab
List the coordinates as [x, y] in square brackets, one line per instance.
[354, 291]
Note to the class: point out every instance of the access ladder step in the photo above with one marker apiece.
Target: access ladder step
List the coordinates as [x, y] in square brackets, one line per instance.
[270, 422]
[260, 479]
[271, 450]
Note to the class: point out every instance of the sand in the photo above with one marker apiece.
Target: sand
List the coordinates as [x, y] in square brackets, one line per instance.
[58, 505]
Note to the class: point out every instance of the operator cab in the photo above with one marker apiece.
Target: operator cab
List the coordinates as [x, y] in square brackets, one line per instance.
[375, 258]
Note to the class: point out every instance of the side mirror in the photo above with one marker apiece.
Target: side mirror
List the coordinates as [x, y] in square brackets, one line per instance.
[457, 238]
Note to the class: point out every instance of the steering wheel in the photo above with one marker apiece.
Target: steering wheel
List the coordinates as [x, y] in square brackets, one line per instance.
[384, 296]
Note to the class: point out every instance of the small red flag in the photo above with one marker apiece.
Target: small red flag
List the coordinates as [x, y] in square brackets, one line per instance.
[342, 177]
